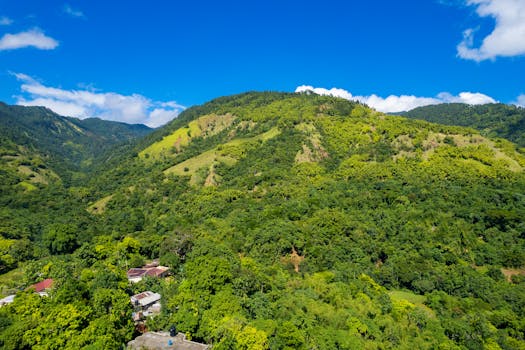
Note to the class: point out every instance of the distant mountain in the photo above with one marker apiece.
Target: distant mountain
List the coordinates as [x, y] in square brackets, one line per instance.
[496, 119]
[115, 132]
[65, 144]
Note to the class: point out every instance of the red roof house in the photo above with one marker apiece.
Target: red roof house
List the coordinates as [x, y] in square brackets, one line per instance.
[136, 274]
[159, 271]
[42, 286]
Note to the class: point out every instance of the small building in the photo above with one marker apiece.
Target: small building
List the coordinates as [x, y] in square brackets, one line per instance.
[42, 287]
[163, 340]
[136, 274]
[7, 300]
[145, 299]
[145, 304]
[158, 271]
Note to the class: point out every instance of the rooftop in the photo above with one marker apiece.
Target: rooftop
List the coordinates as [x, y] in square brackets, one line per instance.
[7, 300]
[152, 269]
[161, 341]
[157, 271]
[145, 298]
[136, 272]
[42, 286]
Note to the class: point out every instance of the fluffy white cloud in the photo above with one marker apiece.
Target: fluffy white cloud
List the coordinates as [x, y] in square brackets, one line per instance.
[471, 98]
[322, 91]
[507, 38]
[88, 103]
[393, 104]
[520, 101]
[31, 38]
[73, 12]
[5, 21]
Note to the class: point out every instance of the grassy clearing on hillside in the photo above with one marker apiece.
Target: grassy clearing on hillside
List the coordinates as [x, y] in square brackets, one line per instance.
[10, 281]
[41, 176]
[99, 206]
[314, 152]
[204, 160]
[207, 125]
[508, 273]
[228, 153]
[478, 148]
[179, 138]
[414, 299]
[408, 296]
[514, 160]
[33, 175]
[28, 186]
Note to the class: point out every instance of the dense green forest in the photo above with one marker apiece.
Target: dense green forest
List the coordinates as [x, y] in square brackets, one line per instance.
[289, 221]
[493, 120]
[69, 146]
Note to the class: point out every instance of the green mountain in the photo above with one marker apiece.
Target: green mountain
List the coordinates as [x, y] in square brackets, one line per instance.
[41, 154]
[493, 120]
[289, 221]
[65, 144]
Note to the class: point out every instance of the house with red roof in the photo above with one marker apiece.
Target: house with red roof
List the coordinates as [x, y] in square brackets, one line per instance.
[136, 274]
[42, 287]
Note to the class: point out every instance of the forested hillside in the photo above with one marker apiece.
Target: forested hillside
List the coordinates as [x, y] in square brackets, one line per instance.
[493, 120]
[289, 221]
[42, 157]
[67, 145]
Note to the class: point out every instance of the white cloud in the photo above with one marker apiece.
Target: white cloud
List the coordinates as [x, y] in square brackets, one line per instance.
[471, 98]
[393, 103]
[322, 91]
[59, 107]
[160, 116]
[82, 104]
[31, 38]
[520, 101]
[5, 21]
[508, 37]
[73, 12]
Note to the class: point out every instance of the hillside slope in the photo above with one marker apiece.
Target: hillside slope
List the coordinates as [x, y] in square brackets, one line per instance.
[67, 144]
[293, 221]
[42, 155]
[495, 120]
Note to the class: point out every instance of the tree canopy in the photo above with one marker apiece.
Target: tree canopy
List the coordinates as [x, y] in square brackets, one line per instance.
[289, 221]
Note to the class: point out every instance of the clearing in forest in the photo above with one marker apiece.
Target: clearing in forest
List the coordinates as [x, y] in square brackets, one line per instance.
[204, 126]
[228, 153]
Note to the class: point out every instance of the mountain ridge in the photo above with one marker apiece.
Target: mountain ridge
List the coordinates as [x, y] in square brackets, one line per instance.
[68, 144]
[288, 221]
[494, 119]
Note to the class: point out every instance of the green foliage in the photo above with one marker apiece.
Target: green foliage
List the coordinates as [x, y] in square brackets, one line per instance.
[396, 235]
[60, 238]
[497, 120]
[67, 144]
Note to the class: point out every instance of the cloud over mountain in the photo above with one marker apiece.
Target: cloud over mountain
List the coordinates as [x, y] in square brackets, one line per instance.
[82, 104]
[393, 103]
[520, 101]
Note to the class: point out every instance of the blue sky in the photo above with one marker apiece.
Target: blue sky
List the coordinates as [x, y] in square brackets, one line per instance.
[144, 62]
